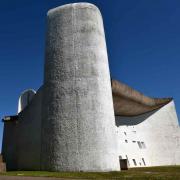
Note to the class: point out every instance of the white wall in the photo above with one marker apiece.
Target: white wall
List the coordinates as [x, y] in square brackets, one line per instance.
[160, 132]
[78, 132]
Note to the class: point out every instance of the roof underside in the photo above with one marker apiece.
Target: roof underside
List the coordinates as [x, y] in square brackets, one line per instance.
[129, 102]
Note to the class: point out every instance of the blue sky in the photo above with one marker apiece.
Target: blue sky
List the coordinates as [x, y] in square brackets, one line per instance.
[143, 41]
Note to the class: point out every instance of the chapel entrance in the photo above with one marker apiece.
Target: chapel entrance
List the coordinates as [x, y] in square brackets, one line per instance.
[123, 164]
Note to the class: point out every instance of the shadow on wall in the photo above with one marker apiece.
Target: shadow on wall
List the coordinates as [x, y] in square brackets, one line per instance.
[133, 120]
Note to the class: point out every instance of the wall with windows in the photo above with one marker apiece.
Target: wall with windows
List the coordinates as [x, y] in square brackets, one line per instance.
[151, 139]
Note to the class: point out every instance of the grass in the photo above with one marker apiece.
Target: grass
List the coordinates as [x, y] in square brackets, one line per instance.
[160, 172]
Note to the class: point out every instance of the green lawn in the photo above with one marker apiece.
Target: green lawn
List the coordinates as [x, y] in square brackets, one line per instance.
[165, 172]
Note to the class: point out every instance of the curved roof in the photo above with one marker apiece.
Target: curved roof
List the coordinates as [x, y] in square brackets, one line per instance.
[25, 98]
[129, 102]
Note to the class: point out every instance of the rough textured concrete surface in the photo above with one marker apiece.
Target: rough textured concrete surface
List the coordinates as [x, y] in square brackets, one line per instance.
[9, 145]
[77, 114]
[129, 102]
[22, 139]
[158, 134]
[69, 124]
[25, 99]
[29, 135]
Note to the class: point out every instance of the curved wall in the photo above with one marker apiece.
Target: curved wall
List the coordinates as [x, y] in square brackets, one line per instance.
[159, 130]
[78, 126]
[25, 98]
[21, 145]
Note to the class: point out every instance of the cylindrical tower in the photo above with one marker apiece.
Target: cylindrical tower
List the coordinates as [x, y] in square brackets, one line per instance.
[78, 125]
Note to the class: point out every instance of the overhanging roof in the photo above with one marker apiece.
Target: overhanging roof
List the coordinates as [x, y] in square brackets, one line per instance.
[129, 102]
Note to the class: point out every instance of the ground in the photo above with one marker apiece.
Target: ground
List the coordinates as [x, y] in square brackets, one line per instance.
[165, 172]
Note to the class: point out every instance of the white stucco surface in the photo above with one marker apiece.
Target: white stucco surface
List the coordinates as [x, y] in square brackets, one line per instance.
[78, 124]
[69, 124]
[25, 98]
[160, 132]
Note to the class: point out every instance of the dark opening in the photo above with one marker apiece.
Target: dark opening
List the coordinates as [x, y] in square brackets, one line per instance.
[123, 164]
[134, 161]
[143, 161]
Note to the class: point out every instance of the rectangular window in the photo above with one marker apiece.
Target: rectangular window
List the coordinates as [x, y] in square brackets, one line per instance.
[139, 144]
[134, 161]
[134, 141]
[143, 161]
[143, 145]
[127, 160]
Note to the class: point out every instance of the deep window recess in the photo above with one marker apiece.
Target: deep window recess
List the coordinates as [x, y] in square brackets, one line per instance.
[127, 160]
[139, 144]
[134, 161]
[143, 145]
[126, 141]
[143, 161]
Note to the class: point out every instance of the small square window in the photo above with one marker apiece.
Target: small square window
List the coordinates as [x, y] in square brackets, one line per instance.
[126, 141]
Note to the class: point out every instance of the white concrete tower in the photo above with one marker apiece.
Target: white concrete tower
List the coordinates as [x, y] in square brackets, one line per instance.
[78, 122]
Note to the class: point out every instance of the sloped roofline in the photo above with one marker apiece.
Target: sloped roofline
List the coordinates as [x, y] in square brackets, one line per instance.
[129, 102]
